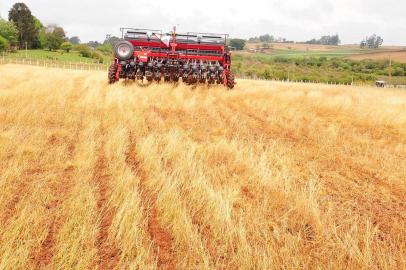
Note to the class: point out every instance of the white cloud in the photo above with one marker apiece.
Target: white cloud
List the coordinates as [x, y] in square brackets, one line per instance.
[294, 19]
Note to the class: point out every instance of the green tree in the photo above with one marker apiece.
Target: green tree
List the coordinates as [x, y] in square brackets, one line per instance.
[112, 40]
[326, 40]
[38, 24]
[66, 46]
[8, 31]
[378, 42]
[372, 42]
[266, 38]
[4, 44]
[21, 16]
[93, 44]
[237, 43]
[42, 38]
[74, 40]
[38, 43]
[55, 36]
[336, 40]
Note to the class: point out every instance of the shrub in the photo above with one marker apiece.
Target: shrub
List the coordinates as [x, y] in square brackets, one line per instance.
[280, 59]
[398, 72]
[266, 74]
[98, 57]
[105, 49]
[83, 50]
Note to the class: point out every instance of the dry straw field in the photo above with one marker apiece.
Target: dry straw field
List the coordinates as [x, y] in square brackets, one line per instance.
[268, 176]
[398, 56]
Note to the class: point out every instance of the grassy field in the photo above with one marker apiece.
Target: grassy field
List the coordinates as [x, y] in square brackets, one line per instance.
[338, 64]
[61, 56]
[327, 66]
[267, 176]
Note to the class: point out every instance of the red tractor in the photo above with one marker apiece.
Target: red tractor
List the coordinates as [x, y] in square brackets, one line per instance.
[192, 57]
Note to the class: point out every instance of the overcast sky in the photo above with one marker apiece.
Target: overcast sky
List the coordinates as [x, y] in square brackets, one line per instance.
[297, 20]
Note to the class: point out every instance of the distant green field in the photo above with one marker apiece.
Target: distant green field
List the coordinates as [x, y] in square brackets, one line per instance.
[323, 66]
[62, 56]
[294, 50]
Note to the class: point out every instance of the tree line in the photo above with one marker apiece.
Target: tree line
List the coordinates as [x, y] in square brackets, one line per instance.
[372, 42]
[325, 40]
[267, 38]
[24, 30]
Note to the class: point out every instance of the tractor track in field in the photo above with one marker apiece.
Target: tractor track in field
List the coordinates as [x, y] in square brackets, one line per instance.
[22, 187]
[160, 236]
[43, 256]
[108, 253]
[260, 125]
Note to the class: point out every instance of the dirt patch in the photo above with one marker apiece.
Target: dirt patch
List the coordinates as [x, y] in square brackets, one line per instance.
[46, 251]
[160, 236]
[43, 256]
[107, 252]
[10, 209]
[399, 56]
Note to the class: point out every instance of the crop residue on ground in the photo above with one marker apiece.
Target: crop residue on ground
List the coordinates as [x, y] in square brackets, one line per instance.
[267, 176]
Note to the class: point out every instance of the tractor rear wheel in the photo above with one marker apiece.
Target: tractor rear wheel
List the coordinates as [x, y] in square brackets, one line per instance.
[230, 80]
[112, 74]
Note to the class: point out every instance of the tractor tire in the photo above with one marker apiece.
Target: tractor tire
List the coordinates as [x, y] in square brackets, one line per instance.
[230, 80]
[123, 50]
[112, 74]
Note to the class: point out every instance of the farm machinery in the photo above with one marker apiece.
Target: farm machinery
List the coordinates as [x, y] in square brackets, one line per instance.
[193, 58]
